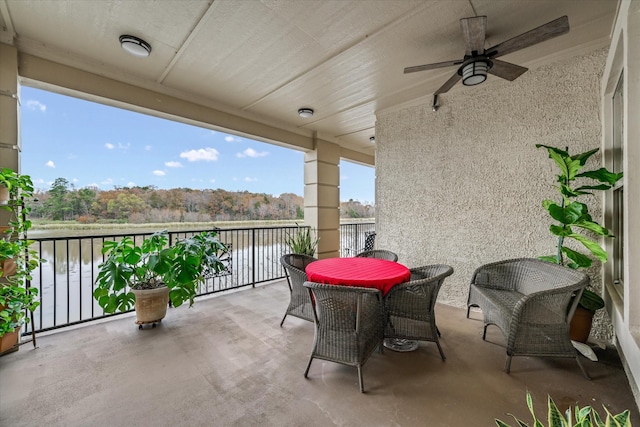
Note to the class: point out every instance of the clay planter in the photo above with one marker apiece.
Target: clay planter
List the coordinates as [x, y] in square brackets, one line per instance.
[9, 267]
[9, 342]
[580, 326]
[151, 305]
[4, 195]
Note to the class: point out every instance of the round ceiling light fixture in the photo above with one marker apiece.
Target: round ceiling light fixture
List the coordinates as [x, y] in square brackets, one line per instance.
[305, 112]
[135, 46]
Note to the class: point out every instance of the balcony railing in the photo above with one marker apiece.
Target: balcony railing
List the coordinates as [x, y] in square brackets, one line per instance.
[67, 279]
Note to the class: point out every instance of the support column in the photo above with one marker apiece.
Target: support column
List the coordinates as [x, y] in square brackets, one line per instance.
[322, 196]
[9, 105]
[9, 114]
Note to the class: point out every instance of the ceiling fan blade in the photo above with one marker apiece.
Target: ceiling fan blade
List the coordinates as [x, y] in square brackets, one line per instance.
[544, 32]
[506, 70]
[473, 31]
[431, 66]
[448, 84]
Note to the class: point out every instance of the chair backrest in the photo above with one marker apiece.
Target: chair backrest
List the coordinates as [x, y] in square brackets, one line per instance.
[529, 275]
[379, 254]
[294, 267]
[347, 308]
[425, 283]
[369, 240]
[299, 261]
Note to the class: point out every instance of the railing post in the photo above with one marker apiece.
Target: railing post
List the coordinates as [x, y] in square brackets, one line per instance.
[253, 257]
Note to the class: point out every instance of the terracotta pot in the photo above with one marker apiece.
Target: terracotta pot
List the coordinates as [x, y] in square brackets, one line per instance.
[580, 326]
[151, 304]
[9, 342]
[9, 267]
[4, 195]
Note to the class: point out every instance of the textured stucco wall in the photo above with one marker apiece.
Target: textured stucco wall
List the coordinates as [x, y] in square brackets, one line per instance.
[464, 185]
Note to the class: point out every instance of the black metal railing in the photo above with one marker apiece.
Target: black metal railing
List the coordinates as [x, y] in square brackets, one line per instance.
[65, 282]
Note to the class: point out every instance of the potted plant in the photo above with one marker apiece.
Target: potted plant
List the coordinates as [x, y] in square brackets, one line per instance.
[586, 416]
[17, 260]
[150, 274]
[301, 241]
[570, 214]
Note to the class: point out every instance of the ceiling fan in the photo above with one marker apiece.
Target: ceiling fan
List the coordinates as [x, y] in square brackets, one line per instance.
[478, 61]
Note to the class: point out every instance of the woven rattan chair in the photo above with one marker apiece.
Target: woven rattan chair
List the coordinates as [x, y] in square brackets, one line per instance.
[380, 254]
[532, 302]
[349, 324]
[410, 307]
[299, 302]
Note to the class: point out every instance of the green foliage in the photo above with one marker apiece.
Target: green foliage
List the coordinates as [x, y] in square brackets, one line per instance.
[301, 242]
[17, 260]
[154, 263]
[584, 417]
[571, 214]
[14, 301]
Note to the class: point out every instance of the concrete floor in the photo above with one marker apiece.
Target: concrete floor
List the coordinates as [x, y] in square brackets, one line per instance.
[226, 362]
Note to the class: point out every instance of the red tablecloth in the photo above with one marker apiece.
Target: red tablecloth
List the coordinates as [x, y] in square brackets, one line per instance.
[366, 272]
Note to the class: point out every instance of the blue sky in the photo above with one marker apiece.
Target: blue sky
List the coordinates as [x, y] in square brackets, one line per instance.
[91, 144]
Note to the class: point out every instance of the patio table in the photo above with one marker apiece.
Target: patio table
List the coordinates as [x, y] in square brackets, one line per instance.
[368, 273]
[364, 272]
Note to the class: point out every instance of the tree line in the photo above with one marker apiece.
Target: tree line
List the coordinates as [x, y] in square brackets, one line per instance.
[64, 202]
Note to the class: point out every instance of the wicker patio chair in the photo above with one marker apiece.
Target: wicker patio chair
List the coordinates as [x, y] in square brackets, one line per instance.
[380, 254]
[349, 324]
[299, 302]
[532, 302]
[410, 307]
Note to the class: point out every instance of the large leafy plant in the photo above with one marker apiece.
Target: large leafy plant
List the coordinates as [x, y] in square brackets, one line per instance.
[584, 417]
[17, 259]
[154, 263]
[571, 214]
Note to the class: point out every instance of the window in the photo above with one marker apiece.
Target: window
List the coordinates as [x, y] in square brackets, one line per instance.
[618, 192]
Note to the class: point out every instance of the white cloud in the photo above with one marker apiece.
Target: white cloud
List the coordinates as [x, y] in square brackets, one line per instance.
[173, 164]
[249, 179]
[109, 146]
[38, 181]
[50, 164]
[36, 105]
[147, 148]
[75, 180]
[131, 184]
[107, 181]
[250, 152]
[92, 185]
[212, 180]
[231, 138]
[159, 173]
[206, 154]
[124, 146]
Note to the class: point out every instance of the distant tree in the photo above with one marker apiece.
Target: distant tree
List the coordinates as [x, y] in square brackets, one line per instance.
[58, 207]
[124, 205]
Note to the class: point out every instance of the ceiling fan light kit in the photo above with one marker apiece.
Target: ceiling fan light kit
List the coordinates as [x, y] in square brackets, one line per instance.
[478, 61]
[474, 72]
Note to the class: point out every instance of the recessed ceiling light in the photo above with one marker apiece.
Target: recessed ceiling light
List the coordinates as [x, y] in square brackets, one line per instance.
[135, 46]
[305, 112]
[372, 139]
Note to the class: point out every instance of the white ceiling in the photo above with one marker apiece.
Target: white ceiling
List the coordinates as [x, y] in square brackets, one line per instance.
[263, 59]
